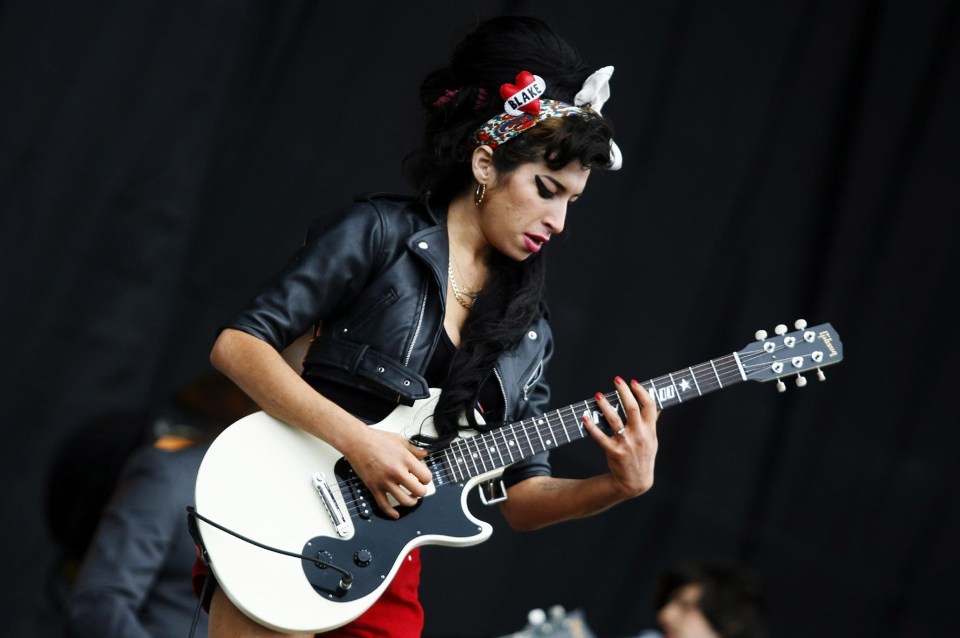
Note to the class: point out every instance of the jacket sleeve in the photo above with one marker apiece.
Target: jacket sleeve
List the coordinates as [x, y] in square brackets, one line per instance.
[538, 399]
[130, 545]
[341, 252]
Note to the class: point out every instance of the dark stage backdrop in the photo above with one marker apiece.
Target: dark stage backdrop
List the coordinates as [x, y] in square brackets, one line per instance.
[782, 160]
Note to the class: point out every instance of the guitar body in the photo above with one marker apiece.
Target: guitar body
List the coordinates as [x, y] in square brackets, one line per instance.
[257, 480]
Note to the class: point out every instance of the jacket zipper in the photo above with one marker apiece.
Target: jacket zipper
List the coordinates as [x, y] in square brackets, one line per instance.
[532, 379]
[416, 332]
[503, 391]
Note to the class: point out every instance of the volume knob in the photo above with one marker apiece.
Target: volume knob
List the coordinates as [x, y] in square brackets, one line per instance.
[362, 557]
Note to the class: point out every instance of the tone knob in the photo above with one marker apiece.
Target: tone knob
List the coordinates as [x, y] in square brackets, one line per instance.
[362, 557]
[324, 556]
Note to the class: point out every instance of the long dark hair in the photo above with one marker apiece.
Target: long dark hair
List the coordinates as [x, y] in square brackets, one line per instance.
[458, 99]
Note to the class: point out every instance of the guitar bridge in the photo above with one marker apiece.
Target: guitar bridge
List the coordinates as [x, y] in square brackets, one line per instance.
[340, 522]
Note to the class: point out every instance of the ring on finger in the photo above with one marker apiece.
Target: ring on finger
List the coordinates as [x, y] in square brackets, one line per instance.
[622, 431]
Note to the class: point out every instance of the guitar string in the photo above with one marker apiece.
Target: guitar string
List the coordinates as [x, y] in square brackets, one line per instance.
[435, 462]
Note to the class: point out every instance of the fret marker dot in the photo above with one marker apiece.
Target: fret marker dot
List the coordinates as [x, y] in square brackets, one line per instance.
[510, 443]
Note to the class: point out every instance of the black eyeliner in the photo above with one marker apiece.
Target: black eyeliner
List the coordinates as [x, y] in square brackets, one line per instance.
[545, 192]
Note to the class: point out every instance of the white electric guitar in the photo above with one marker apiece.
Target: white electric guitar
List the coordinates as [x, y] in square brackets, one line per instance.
[297, 542]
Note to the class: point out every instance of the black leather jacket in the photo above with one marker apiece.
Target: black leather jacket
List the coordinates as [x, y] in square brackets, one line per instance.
[371, 281]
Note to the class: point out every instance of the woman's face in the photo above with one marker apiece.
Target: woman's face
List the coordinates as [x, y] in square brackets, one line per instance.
[524, 209]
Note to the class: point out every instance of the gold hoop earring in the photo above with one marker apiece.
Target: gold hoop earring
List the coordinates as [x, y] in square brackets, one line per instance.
[481, 191]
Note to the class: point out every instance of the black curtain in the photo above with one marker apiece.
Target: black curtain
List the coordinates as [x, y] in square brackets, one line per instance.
[158, 160]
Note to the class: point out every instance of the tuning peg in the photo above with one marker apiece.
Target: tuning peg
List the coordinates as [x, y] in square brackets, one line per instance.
[536, 617]
[781, 386]
[781, 329]
[821, 375]
[760, 335]
[800, 324]
[801, 381]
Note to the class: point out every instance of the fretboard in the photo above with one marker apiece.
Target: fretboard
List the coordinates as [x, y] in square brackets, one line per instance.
[467, 457]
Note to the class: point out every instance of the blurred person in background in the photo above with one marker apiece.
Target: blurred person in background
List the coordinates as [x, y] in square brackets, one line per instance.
[134, 578]
[708, 599]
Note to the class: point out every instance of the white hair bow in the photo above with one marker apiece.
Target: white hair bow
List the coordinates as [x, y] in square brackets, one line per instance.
[595, 93]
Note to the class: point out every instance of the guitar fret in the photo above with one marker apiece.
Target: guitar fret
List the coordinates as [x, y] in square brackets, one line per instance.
[562, 422]
[526, 433]
[710, 380]
[464, 458]
[450, 462]
[551, 441]
[733, 369]
[674, 384]
[694, 375]
[468, 457]
[506, 443]
[515, 442]
[538, 422]
[653, 393]
[496, 446]
[563, 427]
[715, 372]
[480, 452]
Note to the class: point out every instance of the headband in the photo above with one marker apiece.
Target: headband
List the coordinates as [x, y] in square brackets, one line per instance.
[523, 107]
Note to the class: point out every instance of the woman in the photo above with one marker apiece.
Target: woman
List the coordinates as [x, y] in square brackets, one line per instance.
[446, 291]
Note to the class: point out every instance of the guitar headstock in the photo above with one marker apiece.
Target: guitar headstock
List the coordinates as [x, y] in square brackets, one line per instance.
[790, 354]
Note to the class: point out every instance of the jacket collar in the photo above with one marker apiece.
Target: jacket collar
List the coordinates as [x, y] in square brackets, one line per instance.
[432, 244]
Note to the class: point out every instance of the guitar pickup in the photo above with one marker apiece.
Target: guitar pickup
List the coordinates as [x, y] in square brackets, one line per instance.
[492, 492]
[340, 522]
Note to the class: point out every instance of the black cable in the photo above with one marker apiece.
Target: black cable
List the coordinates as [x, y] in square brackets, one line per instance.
[345, 582]
[196, 613]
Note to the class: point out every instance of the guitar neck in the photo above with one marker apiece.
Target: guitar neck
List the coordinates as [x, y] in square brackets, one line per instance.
[465, 458]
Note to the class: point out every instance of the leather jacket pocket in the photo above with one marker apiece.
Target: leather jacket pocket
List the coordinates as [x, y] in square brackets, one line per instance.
[366, 313]
[531, 378]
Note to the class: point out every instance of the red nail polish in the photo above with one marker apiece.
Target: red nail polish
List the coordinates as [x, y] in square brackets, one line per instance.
[634, 382]
[598, 396]
[618, 379]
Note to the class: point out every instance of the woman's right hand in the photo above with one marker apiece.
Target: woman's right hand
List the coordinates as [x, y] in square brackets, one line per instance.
[389, 465]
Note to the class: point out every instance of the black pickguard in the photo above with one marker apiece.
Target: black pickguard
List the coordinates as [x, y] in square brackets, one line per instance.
[383, 539]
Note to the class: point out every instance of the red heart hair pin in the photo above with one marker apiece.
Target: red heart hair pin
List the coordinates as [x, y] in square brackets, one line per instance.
[524, 96]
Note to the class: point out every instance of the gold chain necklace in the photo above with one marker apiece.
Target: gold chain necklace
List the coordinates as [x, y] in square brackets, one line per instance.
[461, 294]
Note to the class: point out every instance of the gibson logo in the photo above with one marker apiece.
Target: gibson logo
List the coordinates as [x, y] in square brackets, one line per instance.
[828, 341]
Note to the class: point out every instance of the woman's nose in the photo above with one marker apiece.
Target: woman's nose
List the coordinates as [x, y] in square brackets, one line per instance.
[556, 218]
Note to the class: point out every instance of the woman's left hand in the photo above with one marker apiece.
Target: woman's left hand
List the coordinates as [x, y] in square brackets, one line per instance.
[632, 449]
